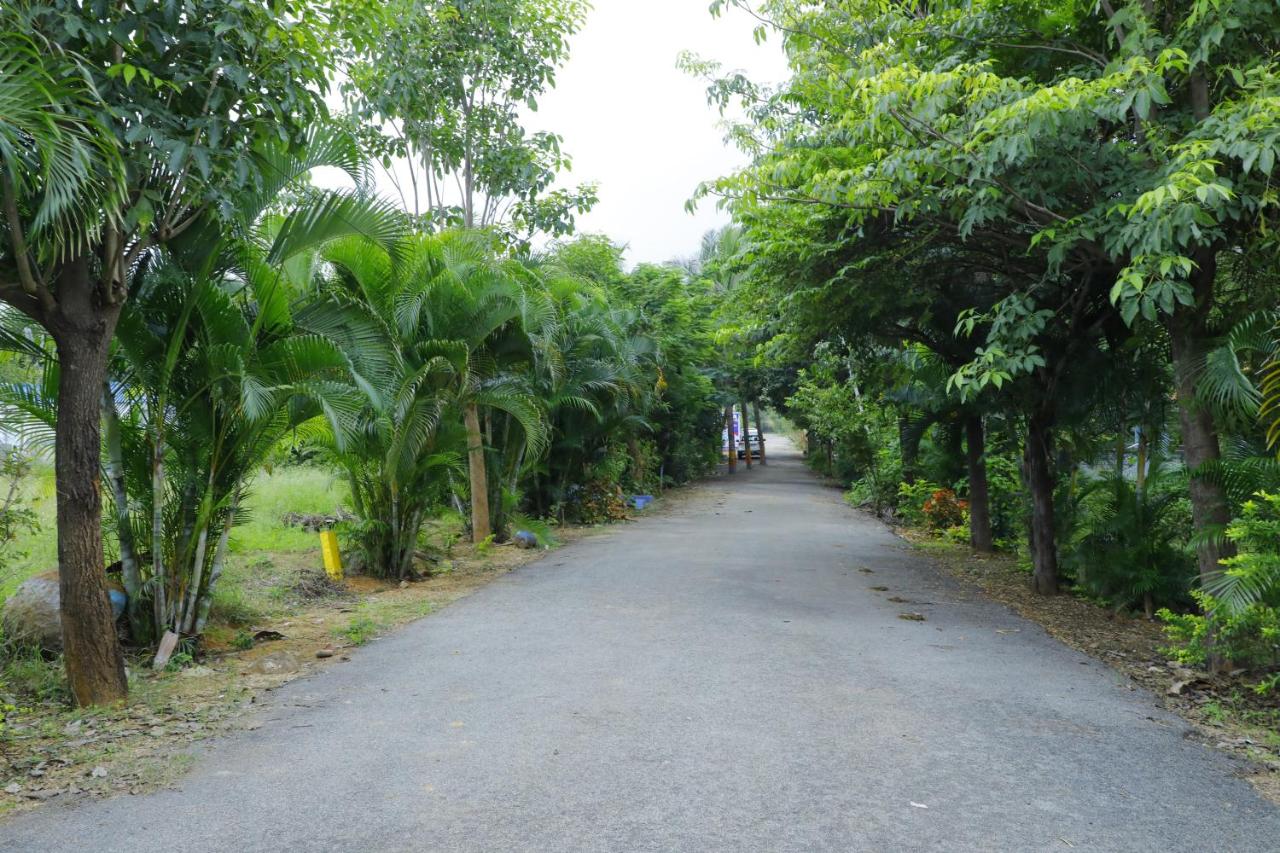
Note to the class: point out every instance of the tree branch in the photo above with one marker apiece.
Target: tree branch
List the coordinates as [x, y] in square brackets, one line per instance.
[31, 283]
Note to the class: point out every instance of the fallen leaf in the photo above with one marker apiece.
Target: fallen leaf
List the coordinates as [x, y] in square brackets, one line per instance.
[879, 588]
[919, 806]
[912, 617]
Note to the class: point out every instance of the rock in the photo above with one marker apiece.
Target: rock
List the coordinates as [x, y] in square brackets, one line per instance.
[13, 788]
[324, 653]
[31, 613]
[98, 773]
[404, 584]
[276, 663]
[197, 671]
[525, 539]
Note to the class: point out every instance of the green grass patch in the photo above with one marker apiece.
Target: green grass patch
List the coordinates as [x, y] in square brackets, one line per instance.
[290, 489]
[286, 489]
[36, 552]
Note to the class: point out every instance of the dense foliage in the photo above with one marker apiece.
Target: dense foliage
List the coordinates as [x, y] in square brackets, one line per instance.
[184, 306]
[1025, 250]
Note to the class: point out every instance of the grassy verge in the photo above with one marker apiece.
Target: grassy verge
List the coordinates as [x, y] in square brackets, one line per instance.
[1224, 712]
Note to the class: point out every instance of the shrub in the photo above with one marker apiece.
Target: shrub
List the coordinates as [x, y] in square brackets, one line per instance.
[1250, 638]
[943, 510]
[1242, 603]
[911, 500]
[1130, 546]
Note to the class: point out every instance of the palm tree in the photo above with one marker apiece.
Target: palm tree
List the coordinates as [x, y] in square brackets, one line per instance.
[208, 373]
[598, 380]
[429, 326]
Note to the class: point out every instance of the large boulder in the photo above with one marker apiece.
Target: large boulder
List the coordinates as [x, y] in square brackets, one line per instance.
[31, 613]
[31, 617]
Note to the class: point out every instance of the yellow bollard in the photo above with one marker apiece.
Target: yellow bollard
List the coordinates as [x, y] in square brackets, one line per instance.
[332, 558]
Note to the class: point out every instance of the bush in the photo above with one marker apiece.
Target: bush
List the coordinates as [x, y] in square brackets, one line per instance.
[1250, 638]
[1130, 546]
[911, 500]
[943, 510]
[1242, 603]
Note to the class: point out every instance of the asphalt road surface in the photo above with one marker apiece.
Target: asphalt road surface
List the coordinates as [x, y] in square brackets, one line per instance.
[716, 677]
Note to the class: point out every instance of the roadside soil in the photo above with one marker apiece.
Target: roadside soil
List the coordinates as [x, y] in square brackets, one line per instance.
[1223, 710]
[50, 751]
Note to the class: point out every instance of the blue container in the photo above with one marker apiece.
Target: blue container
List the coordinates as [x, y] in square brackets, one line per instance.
[641, 501]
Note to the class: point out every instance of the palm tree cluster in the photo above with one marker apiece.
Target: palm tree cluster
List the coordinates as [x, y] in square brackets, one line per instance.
[428, 369]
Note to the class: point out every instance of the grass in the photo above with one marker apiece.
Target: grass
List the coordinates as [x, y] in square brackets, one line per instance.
[39, 550]
[271, 495]
[380, 613]
[304, 490]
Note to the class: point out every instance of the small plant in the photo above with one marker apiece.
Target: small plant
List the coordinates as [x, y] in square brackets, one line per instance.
[1268, 685]
[243, 640]
[484, 546]
[360, 630]
[180, 661]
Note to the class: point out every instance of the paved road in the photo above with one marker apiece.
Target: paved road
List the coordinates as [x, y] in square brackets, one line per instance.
[717, 678]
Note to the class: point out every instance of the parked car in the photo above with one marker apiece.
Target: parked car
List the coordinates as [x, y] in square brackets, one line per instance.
[752, 441]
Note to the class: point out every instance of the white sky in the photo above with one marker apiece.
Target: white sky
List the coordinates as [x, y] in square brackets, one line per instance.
[640, 127]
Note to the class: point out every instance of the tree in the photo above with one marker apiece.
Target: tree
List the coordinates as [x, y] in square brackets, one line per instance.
[147, 134]
[447, 87]
[1123, 149]
[424, 324]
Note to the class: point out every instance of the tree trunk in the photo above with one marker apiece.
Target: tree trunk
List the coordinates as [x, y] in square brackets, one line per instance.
[979, 499]
[82, 332]
[732, 446]
[637, 462]
[480, 530]
[219, 560]
[130, 571]
[1189, 342]
[759, 431]
[1039, 474]
[746, 434]
[909, 449]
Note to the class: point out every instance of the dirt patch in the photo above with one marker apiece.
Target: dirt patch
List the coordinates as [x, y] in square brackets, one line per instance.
[1223, 711]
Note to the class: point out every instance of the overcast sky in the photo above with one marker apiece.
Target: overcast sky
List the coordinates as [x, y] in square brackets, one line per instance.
[640, 127]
